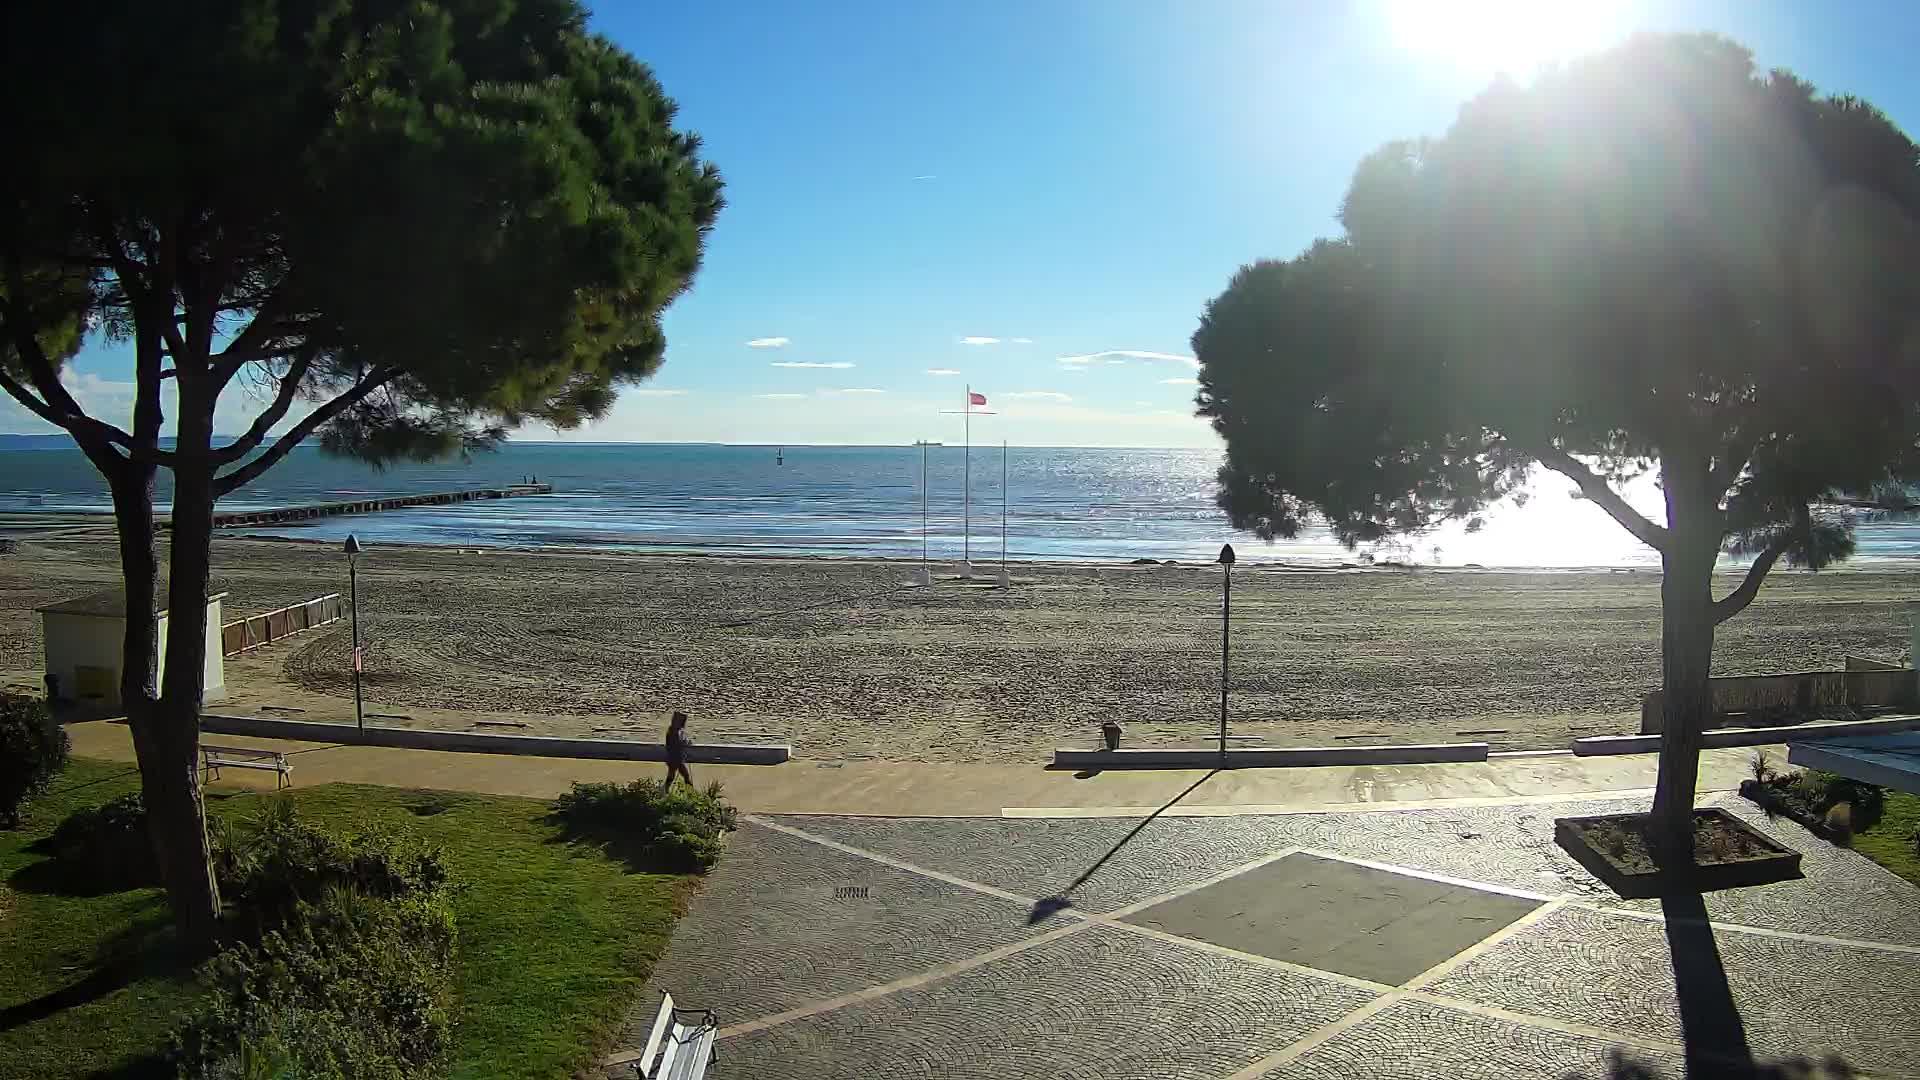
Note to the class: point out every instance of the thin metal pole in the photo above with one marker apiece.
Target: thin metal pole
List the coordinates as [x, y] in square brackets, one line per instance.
[353, 591]
[1226, 631]
[923, 504]
[966, 519]
[1003, 508]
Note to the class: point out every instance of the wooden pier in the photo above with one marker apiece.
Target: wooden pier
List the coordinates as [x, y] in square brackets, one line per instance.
[374, 506]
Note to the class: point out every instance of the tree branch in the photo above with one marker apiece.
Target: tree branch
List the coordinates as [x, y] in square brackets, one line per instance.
[275, 412]
[1736, 601]
[131, 283]
[1596, 489]
[1733, 461]
[225, 485]
[55, 405]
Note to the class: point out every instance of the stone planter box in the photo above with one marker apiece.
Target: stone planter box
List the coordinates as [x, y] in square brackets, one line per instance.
[1745, 855]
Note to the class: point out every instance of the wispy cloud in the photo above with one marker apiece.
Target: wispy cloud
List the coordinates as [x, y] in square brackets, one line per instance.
[855, 390]
[1021, 340]
[837, 365]
[927, 176]
[781, 397]
[654, 391]
[1179, 382]
[1040, 395]
[979, 341]
[769, 343]
[943, 371]
[1121, 356]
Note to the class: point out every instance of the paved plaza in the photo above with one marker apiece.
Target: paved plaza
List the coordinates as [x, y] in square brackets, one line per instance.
[1449, 942]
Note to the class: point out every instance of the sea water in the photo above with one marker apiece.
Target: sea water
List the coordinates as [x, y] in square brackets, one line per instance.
[1061, 504]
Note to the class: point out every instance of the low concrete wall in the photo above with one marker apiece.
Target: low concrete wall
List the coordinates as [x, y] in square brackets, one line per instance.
[1761, 736]
[1804, 691]
[474, 742]
[1267, 757]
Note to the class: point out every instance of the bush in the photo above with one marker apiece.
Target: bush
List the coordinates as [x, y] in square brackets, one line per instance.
[350, 986]
[268, 869]
[106, 848]
[673, 829]
[345, 961]
[1822, 791]
[33, 748]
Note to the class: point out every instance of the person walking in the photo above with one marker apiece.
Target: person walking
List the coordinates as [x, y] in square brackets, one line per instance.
[677, 743]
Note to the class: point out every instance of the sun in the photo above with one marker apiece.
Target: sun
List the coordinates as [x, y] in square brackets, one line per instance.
[1512, 37]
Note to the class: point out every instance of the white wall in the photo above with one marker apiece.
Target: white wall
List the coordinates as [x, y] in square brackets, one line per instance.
[75, 641]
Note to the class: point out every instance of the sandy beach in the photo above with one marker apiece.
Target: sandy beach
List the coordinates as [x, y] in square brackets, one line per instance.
[846, 661]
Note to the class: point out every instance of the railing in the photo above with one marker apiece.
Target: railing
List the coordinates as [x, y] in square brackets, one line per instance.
[257, 630]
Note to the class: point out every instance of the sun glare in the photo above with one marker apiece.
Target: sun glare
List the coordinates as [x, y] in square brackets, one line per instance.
[1514, 37]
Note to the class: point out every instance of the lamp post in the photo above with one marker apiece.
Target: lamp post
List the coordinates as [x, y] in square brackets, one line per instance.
[352, 549]
[1226, 607]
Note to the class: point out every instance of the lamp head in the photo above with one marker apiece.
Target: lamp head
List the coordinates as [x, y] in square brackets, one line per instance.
[352, 546]
[1226, 554]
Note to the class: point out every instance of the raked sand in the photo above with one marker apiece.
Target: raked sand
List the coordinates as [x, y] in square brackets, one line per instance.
[845, 661]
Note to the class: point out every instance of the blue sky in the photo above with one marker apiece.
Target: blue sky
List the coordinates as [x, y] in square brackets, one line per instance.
[1069, 179]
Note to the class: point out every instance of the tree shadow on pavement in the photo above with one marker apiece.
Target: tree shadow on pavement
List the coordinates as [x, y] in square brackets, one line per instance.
[1714, 1035]
[1048, 906]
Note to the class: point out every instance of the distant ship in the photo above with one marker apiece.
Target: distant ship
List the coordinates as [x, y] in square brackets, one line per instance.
[924, 442]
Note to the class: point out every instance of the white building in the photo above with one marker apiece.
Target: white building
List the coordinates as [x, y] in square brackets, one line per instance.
[83, 639]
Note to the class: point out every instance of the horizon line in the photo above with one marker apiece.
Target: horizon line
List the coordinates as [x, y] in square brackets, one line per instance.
[700, 442]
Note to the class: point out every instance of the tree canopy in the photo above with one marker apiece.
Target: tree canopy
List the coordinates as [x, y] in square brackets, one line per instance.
[1652, 256]
[434, 220]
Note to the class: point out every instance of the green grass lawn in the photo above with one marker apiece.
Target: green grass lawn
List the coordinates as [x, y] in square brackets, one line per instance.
[1890, 841]
[555, 939]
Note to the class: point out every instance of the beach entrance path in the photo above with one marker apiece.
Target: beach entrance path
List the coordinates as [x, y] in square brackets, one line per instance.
[1446, 941]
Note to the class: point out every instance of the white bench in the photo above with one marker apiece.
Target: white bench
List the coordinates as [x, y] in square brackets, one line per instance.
[677, 1049]
[215, 758]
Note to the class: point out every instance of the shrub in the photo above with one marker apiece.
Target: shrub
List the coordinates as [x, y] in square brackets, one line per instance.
[350, 986]
[33, 747]
[269, 868]
[1822, 791]
[106, 848]
[674, 829]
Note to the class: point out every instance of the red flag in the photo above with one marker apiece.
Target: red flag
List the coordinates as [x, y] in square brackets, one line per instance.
[358, 663]
[976, 399]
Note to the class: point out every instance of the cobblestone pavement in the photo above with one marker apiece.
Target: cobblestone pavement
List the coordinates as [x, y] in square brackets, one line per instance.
[953, 962]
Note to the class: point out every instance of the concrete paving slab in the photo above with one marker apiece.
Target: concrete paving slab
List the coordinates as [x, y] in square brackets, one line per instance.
[1794, 997]
[1418, 1040]
[1337, 916]
[1098, 1003]
[783, 922]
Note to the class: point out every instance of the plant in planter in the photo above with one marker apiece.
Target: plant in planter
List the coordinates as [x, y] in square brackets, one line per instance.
[1727, 853]
[1828, 805]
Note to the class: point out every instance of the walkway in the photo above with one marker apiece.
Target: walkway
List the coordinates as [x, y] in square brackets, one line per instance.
[959, 790]
[1445, 942]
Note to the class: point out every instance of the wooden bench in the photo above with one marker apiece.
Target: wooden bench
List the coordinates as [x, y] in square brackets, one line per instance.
[678, 1049]
[215, 758]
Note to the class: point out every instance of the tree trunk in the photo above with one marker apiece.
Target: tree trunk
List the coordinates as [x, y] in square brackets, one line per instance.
[1686, 664]
[172, 783]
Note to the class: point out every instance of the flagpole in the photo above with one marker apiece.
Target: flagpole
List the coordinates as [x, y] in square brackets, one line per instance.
[966, 518]
[926, 577]
[1004, 580]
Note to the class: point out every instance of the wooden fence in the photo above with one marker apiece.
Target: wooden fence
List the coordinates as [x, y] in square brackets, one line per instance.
[258, 630]
[1758, 700]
